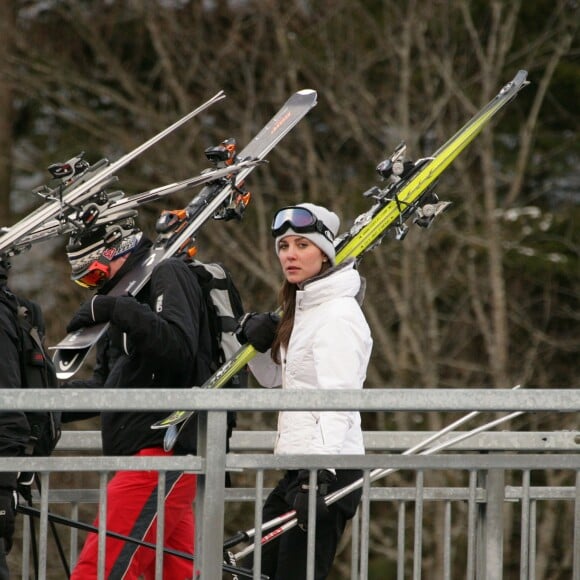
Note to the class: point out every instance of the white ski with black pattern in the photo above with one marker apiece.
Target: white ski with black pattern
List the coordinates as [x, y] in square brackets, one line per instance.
[71, 352]
[76, 182]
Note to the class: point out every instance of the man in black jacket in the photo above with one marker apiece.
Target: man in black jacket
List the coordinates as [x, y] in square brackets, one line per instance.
[160, 338]
[24, 363]
[14, 429]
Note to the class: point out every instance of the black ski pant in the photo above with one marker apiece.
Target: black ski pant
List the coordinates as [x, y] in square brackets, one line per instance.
[285, 557]
[4, 574]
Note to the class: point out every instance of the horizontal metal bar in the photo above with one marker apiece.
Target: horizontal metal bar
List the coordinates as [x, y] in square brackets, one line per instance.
[187, 463]
[407, 494]
[375, 441]
[237, 462]
[372, 461]
[370, 399]
[377, 493]
[397, 493]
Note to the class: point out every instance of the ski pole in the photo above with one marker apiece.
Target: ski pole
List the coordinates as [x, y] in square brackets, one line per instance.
[59, 546]
[375, 474]
[55, 535]
[249, 534]
[33, 512]
[380, 473]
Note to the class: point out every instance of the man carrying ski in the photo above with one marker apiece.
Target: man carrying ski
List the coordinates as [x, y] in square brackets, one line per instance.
[24, 364]
[160, 338]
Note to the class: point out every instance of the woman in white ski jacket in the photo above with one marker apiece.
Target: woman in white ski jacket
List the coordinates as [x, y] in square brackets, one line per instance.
[321, 342]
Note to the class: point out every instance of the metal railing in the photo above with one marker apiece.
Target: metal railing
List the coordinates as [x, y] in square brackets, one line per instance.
[481, 505]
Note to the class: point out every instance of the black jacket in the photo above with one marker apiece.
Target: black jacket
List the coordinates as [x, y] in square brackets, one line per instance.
[14, 428]
[158, 339]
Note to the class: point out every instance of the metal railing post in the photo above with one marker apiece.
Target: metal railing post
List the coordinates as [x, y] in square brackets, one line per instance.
[576, 550]
[490, 526]
[210, 499]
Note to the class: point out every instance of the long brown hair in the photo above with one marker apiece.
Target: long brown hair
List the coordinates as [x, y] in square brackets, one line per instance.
[287, 301]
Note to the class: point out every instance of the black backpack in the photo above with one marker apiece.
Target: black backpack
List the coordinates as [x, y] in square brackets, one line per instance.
[36, 370]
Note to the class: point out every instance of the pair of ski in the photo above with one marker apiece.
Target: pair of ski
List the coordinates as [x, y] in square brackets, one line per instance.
[77, 183]
[223, 186]
[408, 193]
[114, 207]
[81, 200]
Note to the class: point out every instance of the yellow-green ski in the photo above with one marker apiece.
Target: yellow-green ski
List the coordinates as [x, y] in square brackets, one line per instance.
[409, 193]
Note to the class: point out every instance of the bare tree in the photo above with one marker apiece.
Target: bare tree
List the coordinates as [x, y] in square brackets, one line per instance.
[7, 21]
[448, 306]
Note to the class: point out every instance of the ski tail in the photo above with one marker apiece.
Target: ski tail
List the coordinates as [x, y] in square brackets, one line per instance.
[395, 203]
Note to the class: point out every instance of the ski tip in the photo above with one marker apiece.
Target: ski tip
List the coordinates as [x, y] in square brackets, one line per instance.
[309, 93]
[520, 80]
[522, 77]
[170, 438]
[515, 85]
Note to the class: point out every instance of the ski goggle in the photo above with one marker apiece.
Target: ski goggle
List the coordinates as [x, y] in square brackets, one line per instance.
[93, 276]
[300, 220]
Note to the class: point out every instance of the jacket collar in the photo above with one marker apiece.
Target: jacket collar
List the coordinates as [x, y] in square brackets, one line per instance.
[337, 282]
[346, 265]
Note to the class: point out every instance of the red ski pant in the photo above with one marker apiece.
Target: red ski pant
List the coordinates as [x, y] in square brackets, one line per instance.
[132, 511]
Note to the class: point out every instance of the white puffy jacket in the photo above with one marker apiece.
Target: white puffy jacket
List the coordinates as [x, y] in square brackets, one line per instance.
[329, 348]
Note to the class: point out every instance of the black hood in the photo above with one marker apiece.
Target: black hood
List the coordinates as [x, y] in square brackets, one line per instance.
[137, 254]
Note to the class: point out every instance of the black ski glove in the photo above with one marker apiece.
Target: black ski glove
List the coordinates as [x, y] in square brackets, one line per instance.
[8, 501]
[324, 479]
[98, 309]
[258, 329]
